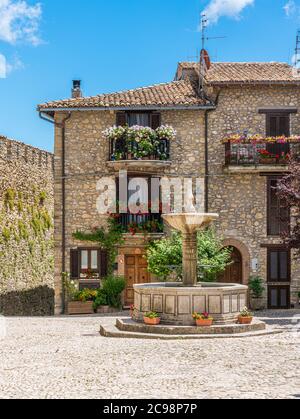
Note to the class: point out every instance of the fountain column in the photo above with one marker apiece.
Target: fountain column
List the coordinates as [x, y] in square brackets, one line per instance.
[189, 259]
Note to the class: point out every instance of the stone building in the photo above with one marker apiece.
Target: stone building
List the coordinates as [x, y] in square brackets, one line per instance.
[205, 104]
[26, 230]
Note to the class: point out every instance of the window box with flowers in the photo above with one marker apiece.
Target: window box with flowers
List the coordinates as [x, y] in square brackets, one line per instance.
[140, 143]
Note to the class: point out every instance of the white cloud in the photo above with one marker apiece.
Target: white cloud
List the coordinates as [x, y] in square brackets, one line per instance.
[19, 21]
[229, 8]
[3, 67]
[292, 9]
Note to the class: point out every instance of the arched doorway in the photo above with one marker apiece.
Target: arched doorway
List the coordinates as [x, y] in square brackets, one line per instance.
[234, 272]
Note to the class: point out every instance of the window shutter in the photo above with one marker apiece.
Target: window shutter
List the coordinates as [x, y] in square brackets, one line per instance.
[155, 120]
[121, 119]
[284, 125]
[103, 263]
[74, 257]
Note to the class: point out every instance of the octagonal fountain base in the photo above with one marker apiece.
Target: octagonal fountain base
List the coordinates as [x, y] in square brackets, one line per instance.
[176, 303]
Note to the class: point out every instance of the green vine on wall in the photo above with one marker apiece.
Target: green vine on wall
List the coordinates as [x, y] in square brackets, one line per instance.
[107, 239]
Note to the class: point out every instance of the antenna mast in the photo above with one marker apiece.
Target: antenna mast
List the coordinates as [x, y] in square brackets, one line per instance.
[203, 29]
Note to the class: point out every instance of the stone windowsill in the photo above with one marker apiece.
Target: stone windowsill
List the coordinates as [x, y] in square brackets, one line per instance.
[269, 168]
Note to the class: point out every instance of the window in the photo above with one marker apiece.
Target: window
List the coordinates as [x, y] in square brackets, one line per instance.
[88, 263]
[144, 119]
[279, 265]
[277, 214]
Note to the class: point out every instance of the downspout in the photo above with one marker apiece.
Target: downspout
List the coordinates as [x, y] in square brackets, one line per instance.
[207, 173]
[62, 125]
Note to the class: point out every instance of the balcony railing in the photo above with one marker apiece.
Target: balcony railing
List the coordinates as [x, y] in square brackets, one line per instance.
[132, 150]
[259, 154]
[144, 223]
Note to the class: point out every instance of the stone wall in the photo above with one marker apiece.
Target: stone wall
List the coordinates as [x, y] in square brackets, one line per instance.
[26, 230]
[241, 199]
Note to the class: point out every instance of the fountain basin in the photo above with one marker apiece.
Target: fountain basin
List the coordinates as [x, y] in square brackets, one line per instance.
[176, 303]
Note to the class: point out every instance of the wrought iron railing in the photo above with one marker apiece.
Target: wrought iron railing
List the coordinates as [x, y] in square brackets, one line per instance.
[132, 150]
[259, 153]
[141, 223]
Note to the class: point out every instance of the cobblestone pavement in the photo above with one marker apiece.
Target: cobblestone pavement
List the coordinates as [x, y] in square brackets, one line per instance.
[66, 358]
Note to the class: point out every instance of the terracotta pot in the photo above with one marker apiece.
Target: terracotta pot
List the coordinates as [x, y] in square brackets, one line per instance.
[204, 322]
[283, 161]
[245, 320]
[78, 307]
[152, 322]
[267, 161]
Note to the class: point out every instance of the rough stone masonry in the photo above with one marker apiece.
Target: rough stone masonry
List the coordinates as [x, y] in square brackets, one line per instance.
[26, 230]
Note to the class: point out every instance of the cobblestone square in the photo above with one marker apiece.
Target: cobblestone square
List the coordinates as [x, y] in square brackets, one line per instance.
[65, 357]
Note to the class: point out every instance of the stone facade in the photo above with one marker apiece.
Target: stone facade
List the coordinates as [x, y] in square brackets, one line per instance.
[241, 198]
[26, 230]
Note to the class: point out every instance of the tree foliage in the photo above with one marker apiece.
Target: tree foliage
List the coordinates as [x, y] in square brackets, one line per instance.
[289, 194]
[165, 256]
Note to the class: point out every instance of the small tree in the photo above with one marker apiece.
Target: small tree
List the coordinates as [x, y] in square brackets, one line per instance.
[289, 193]
[165, 256]
[256, 286]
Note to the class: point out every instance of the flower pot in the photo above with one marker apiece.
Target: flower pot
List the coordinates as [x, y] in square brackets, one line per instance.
[258, 304]
[267, 161]
[79, 307]
[204, 322]
[103, 310]
[245, 320]
[283, 161]
[152, 322]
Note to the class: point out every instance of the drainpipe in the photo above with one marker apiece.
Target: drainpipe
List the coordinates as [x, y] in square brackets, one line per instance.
[207, 174]
[61, 125]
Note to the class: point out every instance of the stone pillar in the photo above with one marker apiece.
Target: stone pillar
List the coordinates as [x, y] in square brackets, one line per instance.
[189, 261]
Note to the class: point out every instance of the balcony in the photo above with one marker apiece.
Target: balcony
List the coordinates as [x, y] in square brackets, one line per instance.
[139, 147]
[134, 224]
[258, 156]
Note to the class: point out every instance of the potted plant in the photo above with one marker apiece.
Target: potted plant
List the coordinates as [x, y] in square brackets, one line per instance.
[257, 289]
[152, 318]
[100, 303]
[82, 302]
[245, 316]
[203, 319]
[267, 158]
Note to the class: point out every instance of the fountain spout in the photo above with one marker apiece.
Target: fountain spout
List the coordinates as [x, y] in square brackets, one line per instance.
[189, 225]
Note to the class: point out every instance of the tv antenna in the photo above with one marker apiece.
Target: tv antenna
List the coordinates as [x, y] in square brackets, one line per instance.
[297, 50]
[204, 38]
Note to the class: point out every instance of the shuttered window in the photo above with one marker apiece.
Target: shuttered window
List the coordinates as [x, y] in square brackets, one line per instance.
[278, 124]
[144, 119]
[88, 263]
[278, 215]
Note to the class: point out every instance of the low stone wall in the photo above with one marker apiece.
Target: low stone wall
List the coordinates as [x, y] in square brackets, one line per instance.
[26, 230]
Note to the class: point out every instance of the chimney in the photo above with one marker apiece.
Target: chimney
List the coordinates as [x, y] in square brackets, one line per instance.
[76, 90]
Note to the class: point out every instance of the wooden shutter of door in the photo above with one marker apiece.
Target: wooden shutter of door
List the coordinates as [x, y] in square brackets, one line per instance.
[121, 120]
[103, 263]
[155, 120]
[74, 258]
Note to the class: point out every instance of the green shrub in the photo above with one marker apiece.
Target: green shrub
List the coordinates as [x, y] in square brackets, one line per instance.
[165, 256]
[101, 299]
[256, 286]
[113, 287]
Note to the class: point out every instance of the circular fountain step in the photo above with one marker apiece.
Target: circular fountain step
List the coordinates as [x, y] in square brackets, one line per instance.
[128, 325]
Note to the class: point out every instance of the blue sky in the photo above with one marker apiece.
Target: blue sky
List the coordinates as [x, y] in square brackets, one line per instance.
[116, 44]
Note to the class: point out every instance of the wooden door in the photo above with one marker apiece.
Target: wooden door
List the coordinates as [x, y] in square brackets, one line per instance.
[234, 272]
[279, 297]
[136, 272]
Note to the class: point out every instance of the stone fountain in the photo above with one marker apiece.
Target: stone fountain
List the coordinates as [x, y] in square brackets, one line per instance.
[176, 302]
